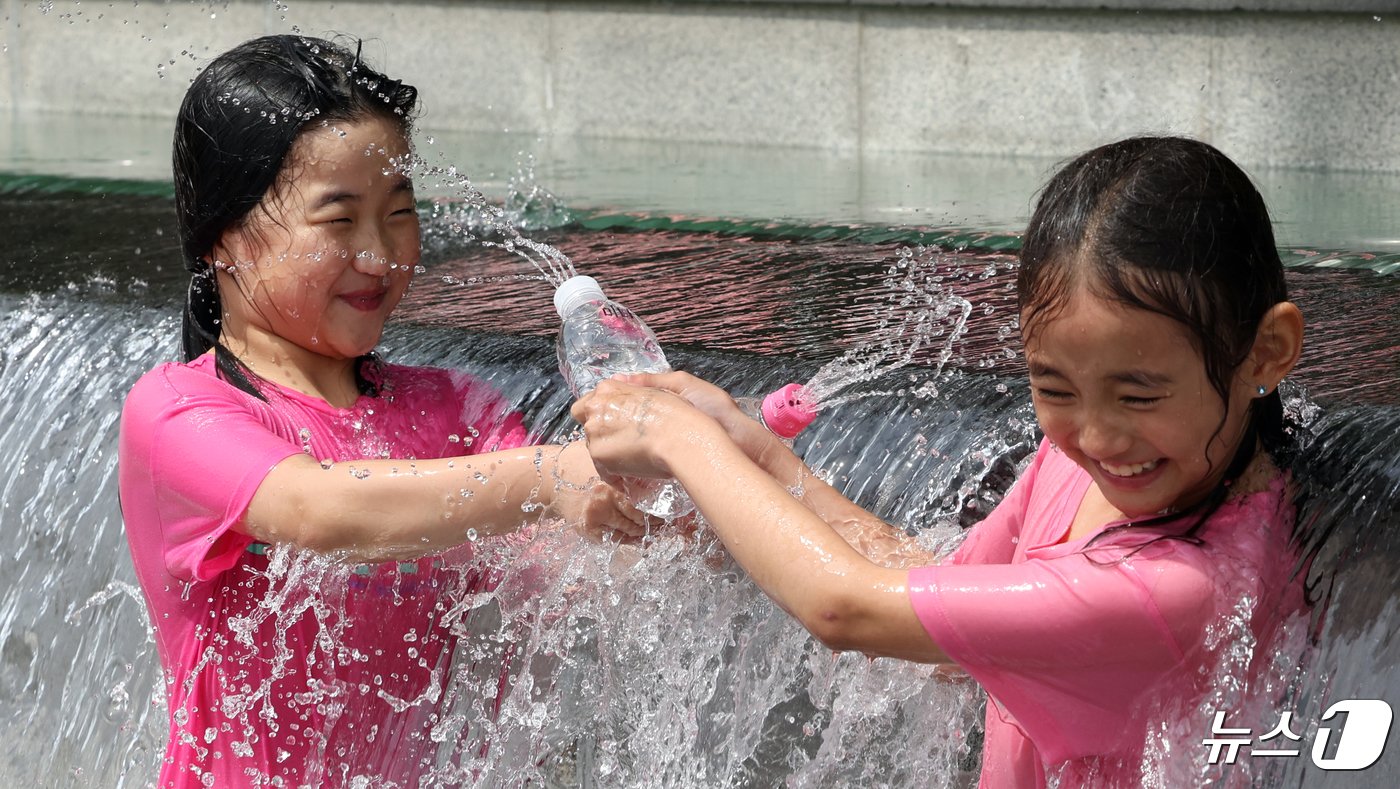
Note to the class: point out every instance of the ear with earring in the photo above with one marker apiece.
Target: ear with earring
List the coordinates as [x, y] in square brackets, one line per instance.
[1262, 390]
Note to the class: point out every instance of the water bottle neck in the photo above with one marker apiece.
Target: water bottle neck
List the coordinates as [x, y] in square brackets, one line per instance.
[575, 292]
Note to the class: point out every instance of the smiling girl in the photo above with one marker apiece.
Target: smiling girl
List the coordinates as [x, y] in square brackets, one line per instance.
[282, 427]
[1157, 328]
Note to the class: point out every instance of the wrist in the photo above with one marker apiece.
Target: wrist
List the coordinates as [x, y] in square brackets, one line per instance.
[562, 466]
[752, 437]
[701, 433]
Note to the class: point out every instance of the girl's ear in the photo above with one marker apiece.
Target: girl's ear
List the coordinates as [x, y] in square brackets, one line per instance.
[1277, 344]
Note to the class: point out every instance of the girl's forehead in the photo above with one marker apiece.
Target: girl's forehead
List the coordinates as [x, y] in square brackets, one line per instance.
[339, 159]
[336, 142]
[1083, 321]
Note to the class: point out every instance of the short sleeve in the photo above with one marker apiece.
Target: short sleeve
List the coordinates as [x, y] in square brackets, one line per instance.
[1068, 646]
[192, 457]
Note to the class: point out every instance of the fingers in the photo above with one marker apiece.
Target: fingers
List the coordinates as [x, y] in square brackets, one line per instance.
[579, 410]
[591, 410]
[608, 512]
[610, 480]
[710, 399]
[633, 522]
[615, 400]
[693, 391]
[635, 431]
[639, 379]
[606, 390]
[675, 381]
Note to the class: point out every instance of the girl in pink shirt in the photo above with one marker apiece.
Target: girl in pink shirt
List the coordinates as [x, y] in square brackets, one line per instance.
[1157, 328]
[281, 427]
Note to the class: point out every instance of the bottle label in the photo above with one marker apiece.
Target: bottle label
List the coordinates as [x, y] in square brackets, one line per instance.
[617, 311]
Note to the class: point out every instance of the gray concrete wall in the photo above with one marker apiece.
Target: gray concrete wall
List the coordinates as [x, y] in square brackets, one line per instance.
[1311, 6]
[1306, 89]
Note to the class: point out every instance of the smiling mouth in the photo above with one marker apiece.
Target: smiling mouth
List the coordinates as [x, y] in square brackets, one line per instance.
[1131, 470]
[365, 301]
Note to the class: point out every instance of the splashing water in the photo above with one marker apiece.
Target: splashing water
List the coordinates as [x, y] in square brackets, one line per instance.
[528, 203]
[925, 311]
[922, 325]
[471, 217]
[664, 666]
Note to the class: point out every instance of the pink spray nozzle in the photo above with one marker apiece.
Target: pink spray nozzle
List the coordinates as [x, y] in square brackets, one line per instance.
[787, 411]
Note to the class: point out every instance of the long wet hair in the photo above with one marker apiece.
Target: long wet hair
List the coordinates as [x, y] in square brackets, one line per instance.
[1172, 226]
[236, 126]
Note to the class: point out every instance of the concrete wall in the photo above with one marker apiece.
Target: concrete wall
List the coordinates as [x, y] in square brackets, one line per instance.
[1272, 88]
[1311, 6]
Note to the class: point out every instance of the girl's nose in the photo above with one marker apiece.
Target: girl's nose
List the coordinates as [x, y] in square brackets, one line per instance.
[372, 262]
[1103, 438]
[375, 253]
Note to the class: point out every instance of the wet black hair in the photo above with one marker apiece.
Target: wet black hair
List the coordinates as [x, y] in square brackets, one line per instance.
[1172, 226]
[236, 125]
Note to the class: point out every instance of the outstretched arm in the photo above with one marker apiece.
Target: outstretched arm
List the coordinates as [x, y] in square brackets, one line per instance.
[384, 509]
[877, 540]
[840, 596]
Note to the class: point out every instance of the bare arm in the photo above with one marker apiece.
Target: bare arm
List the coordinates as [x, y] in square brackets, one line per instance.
[793, 554]
[877, 540]
[383, 509]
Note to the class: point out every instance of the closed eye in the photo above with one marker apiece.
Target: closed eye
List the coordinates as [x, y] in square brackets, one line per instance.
[1141, 400]
[1051, 394]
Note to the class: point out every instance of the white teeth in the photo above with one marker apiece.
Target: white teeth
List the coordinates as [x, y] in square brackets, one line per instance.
[1129, 471]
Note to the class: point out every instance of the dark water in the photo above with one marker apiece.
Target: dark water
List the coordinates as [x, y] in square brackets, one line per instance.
[753, 294]
[89, 287]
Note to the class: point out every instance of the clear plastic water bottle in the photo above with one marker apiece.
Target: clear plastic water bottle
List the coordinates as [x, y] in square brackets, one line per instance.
[785, 412]
[599, 339]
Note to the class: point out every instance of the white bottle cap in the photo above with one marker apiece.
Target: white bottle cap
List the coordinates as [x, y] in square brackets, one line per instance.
[575, 291]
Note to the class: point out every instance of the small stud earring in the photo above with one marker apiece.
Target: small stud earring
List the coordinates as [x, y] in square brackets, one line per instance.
[1263, 390]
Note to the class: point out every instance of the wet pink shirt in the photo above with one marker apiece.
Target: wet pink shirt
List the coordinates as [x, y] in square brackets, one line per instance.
[318, 674]
[1078, 656]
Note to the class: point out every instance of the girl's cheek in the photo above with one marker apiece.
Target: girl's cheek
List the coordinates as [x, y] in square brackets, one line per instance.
[411, 252]
[1057, 427]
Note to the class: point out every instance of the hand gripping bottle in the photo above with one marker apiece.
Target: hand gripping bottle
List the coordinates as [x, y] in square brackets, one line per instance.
[785, 412]
[599, 339]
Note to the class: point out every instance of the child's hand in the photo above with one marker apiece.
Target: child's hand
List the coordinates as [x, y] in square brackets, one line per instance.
[712, 401]
[588, 505]
[636, 431]
[606, 513]
[749, 435]
[609, 514]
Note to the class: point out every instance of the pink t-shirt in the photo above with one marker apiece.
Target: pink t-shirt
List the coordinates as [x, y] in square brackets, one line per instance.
[1078, 651]
[308, 677]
